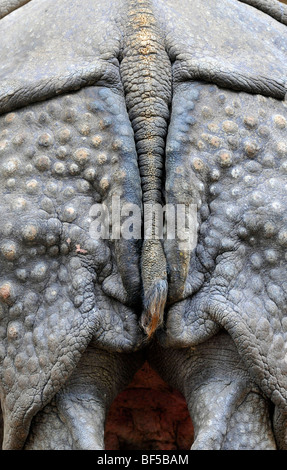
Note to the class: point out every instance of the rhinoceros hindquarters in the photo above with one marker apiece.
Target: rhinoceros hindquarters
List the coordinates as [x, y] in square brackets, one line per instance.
[234, 170]
[59, 159]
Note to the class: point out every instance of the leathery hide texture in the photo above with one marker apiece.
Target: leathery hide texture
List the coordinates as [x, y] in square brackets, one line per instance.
[143, 103]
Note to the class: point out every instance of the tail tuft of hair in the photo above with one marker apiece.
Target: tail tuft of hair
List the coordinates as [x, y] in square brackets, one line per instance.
[155, 286]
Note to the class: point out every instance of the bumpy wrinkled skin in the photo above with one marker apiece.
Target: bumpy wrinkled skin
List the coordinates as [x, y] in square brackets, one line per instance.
[7, 6]
[148, 101]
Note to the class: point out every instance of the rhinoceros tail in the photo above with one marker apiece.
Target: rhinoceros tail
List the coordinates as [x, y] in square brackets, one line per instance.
[155, 285]
[146, 75]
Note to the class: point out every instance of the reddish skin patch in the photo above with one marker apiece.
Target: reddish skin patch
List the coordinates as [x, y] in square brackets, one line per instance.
[80, 250]
[5, 293]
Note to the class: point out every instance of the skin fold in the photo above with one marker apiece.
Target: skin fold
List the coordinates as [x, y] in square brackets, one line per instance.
[222, 399]
[65, 288]
[237, 272]
[8, 6]
[78, 411]
[149, 102]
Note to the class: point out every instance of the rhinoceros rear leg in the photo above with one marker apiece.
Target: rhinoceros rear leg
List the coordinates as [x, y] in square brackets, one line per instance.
[226, 407]
[75, 419]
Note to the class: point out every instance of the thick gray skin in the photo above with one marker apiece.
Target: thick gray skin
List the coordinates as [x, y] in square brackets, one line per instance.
[227, 409]
[75, 418]
[235, 158]
[62, 291]
[8, 6]
[64, 288]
